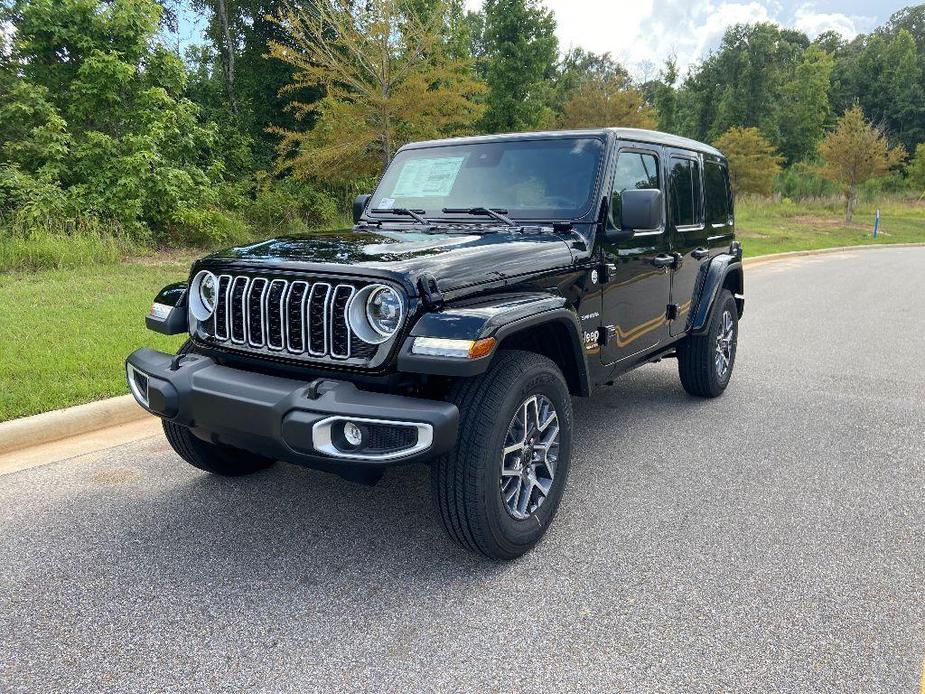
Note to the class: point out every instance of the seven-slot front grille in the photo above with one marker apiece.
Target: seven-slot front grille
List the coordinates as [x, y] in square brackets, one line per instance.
[292, 318]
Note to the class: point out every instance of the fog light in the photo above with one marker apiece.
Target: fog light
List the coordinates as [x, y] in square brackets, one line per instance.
[353, 434]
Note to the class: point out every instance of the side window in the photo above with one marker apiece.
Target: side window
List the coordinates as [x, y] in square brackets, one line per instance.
[715, 193]
[684, 182]
[635, 171]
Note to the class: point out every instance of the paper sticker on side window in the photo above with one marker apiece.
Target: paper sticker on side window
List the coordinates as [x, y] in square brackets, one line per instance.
[427, 178]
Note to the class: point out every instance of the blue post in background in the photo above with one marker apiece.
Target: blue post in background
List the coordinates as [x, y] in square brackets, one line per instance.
[877, 223]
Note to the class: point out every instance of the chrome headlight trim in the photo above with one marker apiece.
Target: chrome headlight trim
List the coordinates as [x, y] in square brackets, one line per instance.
[197, 306]
[359, 318]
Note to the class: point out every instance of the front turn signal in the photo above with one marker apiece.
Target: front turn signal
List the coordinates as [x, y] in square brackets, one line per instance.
[454, 349]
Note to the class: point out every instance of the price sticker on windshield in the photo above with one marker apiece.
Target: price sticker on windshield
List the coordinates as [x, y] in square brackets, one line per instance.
[428, 178]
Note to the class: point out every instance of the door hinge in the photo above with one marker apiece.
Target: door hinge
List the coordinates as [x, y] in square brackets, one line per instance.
[672, 312]
[603, 335]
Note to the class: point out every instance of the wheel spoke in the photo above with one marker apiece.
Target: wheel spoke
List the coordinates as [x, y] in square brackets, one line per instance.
[553, 417]
[513, 496]
[544, 486]
[519, 446]
[526, 495]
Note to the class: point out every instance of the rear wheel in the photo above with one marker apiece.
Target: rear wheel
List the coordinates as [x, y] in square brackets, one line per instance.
[211, 457]
[499, 489]
[705, 361]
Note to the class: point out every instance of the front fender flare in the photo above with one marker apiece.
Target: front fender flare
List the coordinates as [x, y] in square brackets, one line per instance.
[711, 282]
[168, 312]
[500, 318]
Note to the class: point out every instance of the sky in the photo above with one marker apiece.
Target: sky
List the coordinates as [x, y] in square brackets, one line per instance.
[642, 34]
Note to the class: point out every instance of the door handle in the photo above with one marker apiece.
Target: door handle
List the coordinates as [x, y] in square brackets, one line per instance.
[700, 253]
[663, 260]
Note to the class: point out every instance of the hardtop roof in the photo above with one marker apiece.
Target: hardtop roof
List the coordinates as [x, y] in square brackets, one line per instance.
[633, 134]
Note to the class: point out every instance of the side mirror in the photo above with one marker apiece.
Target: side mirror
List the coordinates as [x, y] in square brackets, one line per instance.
[641, 209]
[359, 205]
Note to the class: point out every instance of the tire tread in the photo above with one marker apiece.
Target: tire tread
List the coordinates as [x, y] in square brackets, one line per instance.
[454, 478]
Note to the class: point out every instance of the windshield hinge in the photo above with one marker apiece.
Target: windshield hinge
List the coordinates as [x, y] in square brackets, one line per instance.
[430, 292]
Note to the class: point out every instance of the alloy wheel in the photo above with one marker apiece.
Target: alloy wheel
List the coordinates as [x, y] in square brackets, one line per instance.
[529, 455]
[725, 342]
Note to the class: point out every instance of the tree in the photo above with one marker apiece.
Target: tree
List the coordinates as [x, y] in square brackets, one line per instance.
[385, 82]
[804, 109]
[95, 121]
[916, 169]
[740, 84]
[884, 72]
[575, 68]
[606, 102]
[855, 152]
[520, 50]
[666, 105]
[753, 161]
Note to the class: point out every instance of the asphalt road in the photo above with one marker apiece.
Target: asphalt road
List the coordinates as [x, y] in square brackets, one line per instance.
[772, 540]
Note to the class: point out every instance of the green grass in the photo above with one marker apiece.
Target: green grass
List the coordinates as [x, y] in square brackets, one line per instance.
[66, 332]
[769, 226]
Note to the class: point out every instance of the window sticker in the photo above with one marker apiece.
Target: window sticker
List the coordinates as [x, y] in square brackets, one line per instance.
[427, 178]
[386, 204]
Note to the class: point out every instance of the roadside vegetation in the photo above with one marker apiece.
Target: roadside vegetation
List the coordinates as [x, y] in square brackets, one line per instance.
[66, 334]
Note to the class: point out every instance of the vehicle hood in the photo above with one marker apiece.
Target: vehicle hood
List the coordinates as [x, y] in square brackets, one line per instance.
[455, 260]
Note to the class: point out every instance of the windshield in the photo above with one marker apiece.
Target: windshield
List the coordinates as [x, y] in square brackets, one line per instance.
[531, 179]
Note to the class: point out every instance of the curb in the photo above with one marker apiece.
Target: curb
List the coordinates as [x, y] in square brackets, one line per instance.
[774, 257]
[47, 427]
[52, 426]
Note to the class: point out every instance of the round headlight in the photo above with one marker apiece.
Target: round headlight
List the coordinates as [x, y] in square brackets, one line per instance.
[383, 310]
[208, 291]
[376, 313]
[203, 295]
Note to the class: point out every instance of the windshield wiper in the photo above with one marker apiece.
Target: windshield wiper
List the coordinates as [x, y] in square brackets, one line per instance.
[404, 212]
[482, 212]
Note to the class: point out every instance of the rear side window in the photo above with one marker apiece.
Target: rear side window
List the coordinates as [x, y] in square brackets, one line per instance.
[684, 180]
[635, 171]
[715, 183]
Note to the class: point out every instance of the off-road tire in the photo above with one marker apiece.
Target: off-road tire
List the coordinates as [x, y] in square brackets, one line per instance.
[466, 483]
[697, 354]
[210, 457]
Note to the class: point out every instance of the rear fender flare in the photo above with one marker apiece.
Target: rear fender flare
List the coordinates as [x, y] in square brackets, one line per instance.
[711, 282]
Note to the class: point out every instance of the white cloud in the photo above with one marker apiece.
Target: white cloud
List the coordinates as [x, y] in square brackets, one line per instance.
[641, 32]
[689, 32]
[813, 23]
[602, 26]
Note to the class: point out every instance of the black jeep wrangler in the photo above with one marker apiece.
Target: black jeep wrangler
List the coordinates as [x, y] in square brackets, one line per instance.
[486, 282]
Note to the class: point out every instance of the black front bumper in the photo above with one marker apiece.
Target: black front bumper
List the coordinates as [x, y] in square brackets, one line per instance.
[282, 418]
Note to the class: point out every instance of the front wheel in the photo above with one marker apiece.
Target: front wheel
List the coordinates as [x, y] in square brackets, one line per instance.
[705, 361]
[499, 489]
